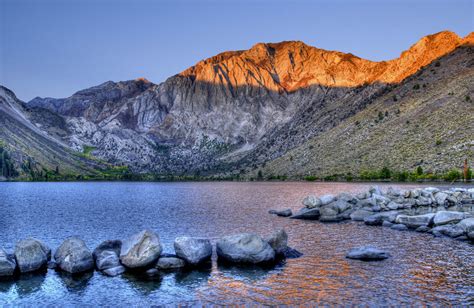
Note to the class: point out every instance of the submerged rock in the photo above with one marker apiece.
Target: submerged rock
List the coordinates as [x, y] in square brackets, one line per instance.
[7, 264]
[169, 263]
[423, 229]
[193, 250]
[367, 253]
[141, 250]
[279, 241]
[114, 271]
[73, 256]
[291, 253]
[281, 213]
[399, 227]
[309, 214]
[244, 248]
[31, 255]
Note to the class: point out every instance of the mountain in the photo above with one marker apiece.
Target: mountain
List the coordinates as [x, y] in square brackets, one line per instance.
[244, 111]
[34, 152]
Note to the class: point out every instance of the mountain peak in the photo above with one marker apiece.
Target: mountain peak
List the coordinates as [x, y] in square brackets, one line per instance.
[291, 65]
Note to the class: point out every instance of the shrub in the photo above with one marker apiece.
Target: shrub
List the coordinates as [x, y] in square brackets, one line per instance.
[380, 115]
[401, 176]
[416, 87]
[438, 142]
[310, 178]
[452, 175]
[468, 98]
[385, 173]
[419, 171]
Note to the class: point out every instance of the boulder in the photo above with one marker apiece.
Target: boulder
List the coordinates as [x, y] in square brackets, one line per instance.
[373, 220]
[107, 259]
[309, 214]
[347, 197]
[367, 253]
[141, 249]
[311, 202]
[375, 190]
[331, 218]
[326, 199]
[415, 221]
[31, 255]
[113, 245]
[448, 217]
[7, 264]
[448, 230]
[467, 225]
[394, 192]
[52, 265]
[381, 200]
[399, 227]
[342, 205]
[244, 248]
[369, 203]
[378, 218]
[279, 241]
[281, 213]
[114, 271]
[387, 224]
[170, 263]
[441, 197]
[431, 190]
[73, 256]
[360, 214]
[393, 205]
[193, 250]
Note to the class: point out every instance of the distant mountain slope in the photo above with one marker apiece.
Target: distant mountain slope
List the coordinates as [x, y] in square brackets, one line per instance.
[235, 111]
[32, 150]
[427, 121]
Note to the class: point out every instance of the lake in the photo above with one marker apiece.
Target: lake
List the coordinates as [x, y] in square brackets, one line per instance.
[423, 270]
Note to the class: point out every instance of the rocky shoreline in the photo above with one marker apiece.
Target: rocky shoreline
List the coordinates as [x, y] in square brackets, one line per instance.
[439, 212]
[143, 253]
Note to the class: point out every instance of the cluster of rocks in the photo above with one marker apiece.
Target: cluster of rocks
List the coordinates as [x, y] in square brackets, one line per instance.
[439, 212]
[142, 252]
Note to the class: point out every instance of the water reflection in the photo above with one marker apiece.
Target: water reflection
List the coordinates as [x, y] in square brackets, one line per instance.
[142, 282]
[76, 283]
[423, 270]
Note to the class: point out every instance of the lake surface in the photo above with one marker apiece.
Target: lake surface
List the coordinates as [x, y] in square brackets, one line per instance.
[423, 270]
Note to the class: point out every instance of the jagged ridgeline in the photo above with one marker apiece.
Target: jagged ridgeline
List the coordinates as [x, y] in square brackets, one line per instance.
[283, 110]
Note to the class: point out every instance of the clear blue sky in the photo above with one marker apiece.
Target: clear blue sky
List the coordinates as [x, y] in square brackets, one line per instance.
[55, 48]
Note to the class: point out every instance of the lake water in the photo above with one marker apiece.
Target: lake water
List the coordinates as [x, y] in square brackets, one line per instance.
[423, 270]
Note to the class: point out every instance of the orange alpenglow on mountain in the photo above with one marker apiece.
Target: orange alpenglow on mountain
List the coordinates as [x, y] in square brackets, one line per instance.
[289, 66]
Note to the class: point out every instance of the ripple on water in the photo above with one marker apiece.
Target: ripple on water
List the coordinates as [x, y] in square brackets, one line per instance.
[423, 270]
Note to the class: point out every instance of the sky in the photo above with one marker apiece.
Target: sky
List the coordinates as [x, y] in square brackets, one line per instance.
[53, 48]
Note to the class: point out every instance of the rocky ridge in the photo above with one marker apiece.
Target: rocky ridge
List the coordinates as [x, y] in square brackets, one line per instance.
[233, 112]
